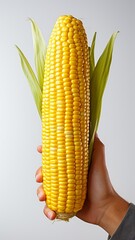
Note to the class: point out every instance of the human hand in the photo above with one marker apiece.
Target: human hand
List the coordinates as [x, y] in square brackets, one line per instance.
[99, 191]
[103, 206]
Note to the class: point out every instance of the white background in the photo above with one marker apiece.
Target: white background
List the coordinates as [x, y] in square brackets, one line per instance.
[21, 215]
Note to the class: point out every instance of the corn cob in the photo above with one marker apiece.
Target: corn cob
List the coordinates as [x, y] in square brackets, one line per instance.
[65, 117]
[68, 96]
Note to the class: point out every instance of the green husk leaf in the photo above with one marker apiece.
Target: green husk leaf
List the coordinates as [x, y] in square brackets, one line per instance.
[97, 87]
[32, 80]
[92, 57]
[39, 51]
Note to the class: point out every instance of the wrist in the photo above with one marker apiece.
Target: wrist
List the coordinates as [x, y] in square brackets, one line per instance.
[114, 212]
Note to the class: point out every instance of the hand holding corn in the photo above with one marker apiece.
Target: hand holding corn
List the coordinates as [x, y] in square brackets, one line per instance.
[68, 87]
[102, 201]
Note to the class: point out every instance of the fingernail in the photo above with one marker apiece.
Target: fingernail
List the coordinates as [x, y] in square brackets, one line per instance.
[50, 215]
[40, 195]
[37, 177]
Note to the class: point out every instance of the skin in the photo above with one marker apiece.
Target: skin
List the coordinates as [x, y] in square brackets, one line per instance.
[103, 206]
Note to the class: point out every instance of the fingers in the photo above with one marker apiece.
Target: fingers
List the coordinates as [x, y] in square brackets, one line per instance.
[39, 149]
[41, 193]
[39, 176]
[42, 197]
[49, 213]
